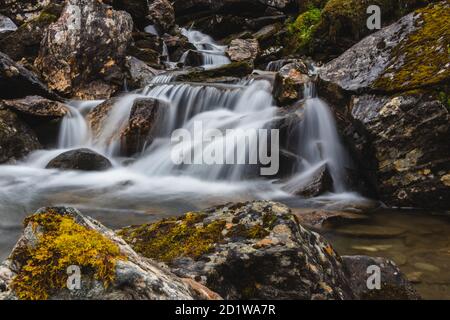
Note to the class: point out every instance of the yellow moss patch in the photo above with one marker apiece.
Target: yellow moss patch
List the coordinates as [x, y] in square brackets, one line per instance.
[63, 243]
[423, 57]
[169, 239]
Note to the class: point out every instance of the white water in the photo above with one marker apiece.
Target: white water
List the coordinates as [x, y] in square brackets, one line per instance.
[213, 53]
[6, 24]
[153, 184]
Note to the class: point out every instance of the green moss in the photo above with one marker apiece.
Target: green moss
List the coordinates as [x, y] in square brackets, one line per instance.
[421, 60]
[169, 239]
[63, 243]
[301, 31]
[254, 232]
[444, 97]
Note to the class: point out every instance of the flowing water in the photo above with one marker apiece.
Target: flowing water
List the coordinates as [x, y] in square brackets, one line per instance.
[213, 53]
[152, 185]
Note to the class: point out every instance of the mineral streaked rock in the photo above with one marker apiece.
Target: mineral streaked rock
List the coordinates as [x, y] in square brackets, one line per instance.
[86, 47]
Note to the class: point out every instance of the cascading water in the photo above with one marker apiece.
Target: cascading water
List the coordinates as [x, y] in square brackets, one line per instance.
[213, 54]
[153, 183]
[319, 145]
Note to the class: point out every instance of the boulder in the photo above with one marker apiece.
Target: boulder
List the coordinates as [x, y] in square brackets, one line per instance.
[253, 250]
[290, 83]
[394, 285]
[344, 22]
[86, 48]
[80, 159]
[26, 40]
[397, 119]
[177, 45]
[58, 242]
[6, 26]
[16, 138]
[18, 82]
[243, 50]
[140, 74]
[319, 183]
[406, 148]
[193, 58]
[145, 115]
[36, 107]
[391, 60]
[22, 11]
[161, 14]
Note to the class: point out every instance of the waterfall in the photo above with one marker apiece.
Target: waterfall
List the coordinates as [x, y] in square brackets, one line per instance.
[152, 182]
[319, 144]
[74, 130]
[213, 54]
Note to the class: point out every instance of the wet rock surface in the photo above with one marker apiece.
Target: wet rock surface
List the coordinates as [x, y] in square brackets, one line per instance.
[393, 286]
[86, 48]
[80, 159]
[17, 139]
[36, 107]
[243, 50]
[408, 135]
[145, 116]
[18, 82]
[114, 272]
[249, 250]
[290, 83]
[24, 43]
[397, 118]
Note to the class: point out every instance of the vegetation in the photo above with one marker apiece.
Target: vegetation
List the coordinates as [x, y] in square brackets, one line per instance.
[424, 56]
[62, 243]
[302, 30]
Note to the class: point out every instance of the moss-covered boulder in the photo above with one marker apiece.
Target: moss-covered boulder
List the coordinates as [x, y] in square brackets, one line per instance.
[253, 250]
[410, 54]
[60, 242]
[326, 29]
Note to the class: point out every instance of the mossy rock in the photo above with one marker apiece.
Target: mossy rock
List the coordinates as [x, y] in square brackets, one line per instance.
[423, 58]
[61, 242]
[343, 23]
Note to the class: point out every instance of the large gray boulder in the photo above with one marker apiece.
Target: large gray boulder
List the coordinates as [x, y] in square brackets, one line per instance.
[391, 91]
[83, 53]
[253, 250]
[392, 59]
[56, 239]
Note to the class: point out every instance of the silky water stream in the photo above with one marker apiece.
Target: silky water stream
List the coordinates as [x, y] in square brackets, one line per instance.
[152, 186]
